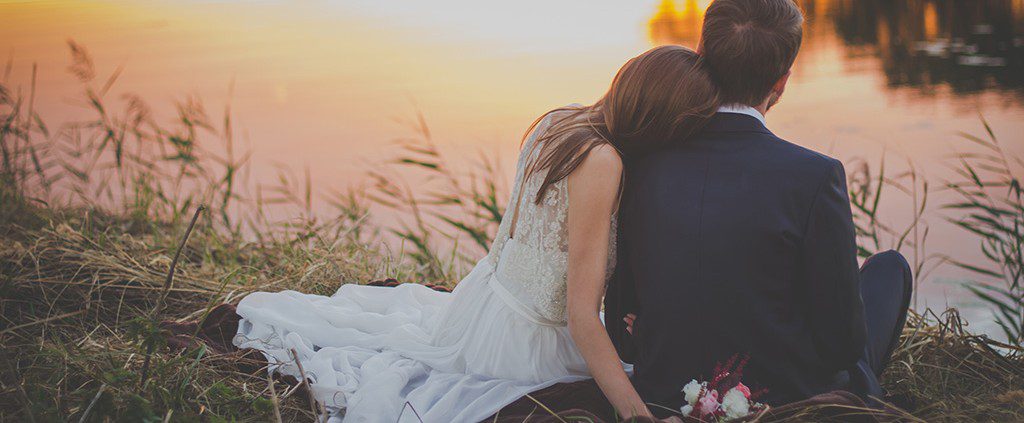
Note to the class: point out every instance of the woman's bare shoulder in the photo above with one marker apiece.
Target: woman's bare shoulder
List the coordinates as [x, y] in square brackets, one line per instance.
[602, 159]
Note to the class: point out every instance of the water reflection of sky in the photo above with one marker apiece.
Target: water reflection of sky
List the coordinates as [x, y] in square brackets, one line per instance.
[320, 83]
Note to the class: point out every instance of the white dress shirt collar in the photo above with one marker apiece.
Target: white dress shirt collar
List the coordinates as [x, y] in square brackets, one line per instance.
[743, 109]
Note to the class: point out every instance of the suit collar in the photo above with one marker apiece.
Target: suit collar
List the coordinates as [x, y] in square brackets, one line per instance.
[735, 122]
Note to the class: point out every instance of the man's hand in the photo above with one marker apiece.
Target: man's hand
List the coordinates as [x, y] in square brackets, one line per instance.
[673, 419]
[629, 319]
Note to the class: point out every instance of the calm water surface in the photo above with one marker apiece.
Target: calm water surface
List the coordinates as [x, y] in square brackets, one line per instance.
[322, 83]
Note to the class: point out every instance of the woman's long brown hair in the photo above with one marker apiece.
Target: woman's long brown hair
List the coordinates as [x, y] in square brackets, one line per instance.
[661, 96]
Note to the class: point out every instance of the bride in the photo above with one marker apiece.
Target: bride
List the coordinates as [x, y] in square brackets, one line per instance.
[528, 315]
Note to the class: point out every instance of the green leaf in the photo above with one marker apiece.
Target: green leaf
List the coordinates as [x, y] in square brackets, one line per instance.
[976, 269]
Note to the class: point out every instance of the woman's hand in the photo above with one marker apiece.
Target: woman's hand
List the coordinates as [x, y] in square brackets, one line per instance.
[593, 192]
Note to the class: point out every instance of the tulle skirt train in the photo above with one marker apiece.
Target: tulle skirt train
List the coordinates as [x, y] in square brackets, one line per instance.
[377, 354]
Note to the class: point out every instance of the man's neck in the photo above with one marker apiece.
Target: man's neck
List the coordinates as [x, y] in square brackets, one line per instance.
[762, 108]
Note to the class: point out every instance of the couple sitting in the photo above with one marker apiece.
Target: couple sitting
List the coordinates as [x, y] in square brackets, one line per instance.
[668, 202]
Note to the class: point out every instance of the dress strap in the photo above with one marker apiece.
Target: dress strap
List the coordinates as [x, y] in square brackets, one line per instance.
[526, 175]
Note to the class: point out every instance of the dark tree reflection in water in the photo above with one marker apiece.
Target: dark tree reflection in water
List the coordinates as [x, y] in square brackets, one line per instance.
[969, 46]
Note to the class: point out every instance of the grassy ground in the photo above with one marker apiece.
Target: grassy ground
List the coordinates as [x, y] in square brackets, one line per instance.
[79, 289]
[79, 294]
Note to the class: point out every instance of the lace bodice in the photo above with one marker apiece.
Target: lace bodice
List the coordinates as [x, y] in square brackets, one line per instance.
[532, 268]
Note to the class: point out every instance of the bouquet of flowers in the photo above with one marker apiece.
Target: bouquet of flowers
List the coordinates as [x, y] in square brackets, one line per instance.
[723, 398]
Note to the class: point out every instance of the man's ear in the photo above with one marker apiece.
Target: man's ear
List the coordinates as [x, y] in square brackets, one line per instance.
[777, 90]
[780, 85]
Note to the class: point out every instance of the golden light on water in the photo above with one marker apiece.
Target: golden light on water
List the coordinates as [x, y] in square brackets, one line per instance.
[931, 21]
[671, 24]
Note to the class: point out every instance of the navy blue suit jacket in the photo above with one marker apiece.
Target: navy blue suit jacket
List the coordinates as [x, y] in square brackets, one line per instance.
[736, 242]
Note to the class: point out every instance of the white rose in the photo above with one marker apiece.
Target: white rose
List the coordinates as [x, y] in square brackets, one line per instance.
[691, 391]
[735, 404]
[686, 409]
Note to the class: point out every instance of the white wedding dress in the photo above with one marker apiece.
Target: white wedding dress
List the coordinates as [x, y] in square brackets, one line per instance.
[378, 354]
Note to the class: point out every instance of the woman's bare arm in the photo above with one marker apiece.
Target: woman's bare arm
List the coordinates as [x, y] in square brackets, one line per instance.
[593, 189]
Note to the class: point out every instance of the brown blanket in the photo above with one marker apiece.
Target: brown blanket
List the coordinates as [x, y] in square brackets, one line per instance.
[566, 402]
[584, 402]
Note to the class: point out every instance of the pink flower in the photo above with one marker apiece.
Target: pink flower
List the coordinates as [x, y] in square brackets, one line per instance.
[709, 403]
[744, 389]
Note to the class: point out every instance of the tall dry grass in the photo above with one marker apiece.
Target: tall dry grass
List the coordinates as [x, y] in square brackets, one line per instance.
[991, 206]
[92, 215]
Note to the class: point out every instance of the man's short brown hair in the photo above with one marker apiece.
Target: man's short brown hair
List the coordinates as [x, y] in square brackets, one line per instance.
[750, 44]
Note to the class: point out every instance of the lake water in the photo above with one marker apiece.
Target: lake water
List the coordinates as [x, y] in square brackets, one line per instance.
[321, 84]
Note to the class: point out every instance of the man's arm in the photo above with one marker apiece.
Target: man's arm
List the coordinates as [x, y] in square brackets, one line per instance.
[831, 274]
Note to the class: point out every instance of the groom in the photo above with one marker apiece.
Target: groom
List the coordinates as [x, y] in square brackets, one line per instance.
[738, 242]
